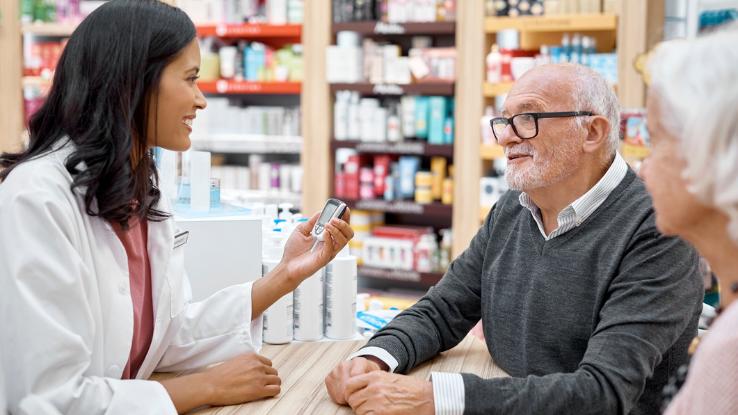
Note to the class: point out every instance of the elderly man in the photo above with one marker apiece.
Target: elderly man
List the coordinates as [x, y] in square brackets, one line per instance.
[583, 302]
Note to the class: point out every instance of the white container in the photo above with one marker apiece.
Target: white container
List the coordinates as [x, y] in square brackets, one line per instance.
[308, 308]
[379, 125]
[278, 319]
[494, 65]
[340, 298]
[277, 11]
[354, 117]
[227, 56]
[407, 105]
[341, 115]
[200, 181]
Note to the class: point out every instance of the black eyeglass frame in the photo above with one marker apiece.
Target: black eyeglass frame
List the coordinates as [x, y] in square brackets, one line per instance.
[536, 116]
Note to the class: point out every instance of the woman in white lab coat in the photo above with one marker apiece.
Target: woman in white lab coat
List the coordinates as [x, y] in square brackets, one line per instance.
[92, 294]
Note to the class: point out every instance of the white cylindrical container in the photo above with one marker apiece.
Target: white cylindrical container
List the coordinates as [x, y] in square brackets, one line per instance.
[308, 308]
[228, 61]
[340, 298]
[278, 320]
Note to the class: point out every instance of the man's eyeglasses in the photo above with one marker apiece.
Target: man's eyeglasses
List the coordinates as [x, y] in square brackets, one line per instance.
[525, 125]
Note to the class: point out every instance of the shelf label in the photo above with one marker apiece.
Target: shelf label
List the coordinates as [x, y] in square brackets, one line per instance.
[237, 30]
[399, 148]
[391, 274]
[393, 207]
[223, 86]
[382, 28]
[388, 89]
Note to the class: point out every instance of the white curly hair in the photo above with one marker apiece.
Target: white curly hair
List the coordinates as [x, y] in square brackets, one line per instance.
[696, 82]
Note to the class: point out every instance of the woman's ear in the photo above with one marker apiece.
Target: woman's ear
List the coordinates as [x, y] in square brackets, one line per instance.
[598, 134]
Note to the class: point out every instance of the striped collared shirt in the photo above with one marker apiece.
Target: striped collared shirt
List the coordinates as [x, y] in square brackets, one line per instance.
[577, 212]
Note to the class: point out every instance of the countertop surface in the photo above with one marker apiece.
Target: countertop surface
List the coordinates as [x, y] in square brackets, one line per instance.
[304, 366]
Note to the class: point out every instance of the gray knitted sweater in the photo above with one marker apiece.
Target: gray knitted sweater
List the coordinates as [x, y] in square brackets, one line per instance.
[591, 322]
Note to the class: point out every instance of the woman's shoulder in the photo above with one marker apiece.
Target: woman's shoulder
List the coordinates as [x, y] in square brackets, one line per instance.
[43, 177]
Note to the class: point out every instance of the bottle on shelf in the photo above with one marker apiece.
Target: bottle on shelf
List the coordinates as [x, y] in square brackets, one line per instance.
[494, 65]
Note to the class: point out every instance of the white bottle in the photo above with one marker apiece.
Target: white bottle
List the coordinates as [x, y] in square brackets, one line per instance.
[277, 11]
[494, 65]
[394, 127]
[340, 297]
[379, 125]
[308, 308]
[278, 318]
[341, 116]
[407, 104]
[227, 55]
[354, 117]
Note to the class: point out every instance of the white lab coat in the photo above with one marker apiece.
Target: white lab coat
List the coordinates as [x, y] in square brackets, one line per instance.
[66, 308]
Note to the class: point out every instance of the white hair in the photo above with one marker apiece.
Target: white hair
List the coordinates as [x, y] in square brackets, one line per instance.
[696, 82]
[593, 93]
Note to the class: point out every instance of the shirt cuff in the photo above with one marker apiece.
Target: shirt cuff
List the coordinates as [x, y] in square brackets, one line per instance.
[448, 393]
[379, 353]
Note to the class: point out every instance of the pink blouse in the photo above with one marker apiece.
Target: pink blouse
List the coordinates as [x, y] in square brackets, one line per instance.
[134, 241]
[712, 382]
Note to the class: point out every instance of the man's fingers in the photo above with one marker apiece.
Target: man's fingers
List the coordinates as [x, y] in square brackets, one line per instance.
[358, 383]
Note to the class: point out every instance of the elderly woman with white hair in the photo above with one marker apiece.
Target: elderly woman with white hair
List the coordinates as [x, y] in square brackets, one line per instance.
[693, 177]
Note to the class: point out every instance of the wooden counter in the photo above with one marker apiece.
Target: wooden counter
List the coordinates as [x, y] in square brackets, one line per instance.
[304, 366]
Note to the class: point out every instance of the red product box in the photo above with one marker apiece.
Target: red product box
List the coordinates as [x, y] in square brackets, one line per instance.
[352, 167]
[381, 170]
[413, 233]
[339, 186]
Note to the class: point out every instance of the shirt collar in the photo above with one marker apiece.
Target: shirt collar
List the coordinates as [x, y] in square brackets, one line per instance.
[586, 204]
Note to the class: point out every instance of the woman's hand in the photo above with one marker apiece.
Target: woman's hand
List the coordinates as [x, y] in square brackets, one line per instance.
[299, 262]
[244, 378]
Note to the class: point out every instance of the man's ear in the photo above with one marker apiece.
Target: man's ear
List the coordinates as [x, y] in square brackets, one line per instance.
[598, 132]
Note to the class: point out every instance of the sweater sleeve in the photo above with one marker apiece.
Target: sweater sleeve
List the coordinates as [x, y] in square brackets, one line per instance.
[653, 299]
[441, 319]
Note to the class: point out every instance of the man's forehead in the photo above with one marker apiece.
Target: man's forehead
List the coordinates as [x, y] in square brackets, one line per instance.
[525, 103]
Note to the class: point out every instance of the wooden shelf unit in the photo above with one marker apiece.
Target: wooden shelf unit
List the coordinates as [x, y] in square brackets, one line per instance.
[472, 30]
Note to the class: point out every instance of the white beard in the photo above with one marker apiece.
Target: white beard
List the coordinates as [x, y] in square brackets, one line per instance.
[559, 165]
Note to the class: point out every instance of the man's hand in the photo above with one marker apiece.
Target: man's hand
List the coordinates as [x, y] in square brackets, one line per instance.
[336, 381]
[381, 393]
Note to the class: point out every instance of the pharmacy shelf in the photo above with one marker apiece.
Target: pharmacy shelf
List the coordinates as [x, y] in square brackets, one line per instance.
[36, 81]
[493, 90]
[425, 279]
[402, 207]
[491, 151]
[49, 29]
[239, 197]
[554, 23]
[421, 88]
[417, 148]
[245, 87]
[248, 144]
[383, 29]
[250, 31]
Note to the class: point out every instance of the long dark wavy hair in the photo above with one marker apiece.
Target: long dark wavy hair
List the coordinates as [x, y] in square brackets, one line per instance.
[99, 99]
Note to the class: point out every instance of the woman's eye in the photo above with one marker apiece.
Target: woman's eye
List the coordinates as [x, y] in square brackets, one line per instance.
[193, 78]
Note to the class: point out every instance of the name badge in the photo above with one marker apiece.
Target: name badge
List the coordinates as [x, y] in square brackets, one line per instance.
[181, 238]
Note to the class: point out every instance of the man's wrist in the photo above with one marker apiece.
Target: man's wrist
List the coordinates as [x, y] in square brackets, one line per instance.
[377, 361]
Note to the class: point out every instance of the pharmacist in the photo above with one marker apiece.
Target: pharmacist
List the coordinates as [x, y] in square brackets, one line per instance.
[582, 301]
[91, 273]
